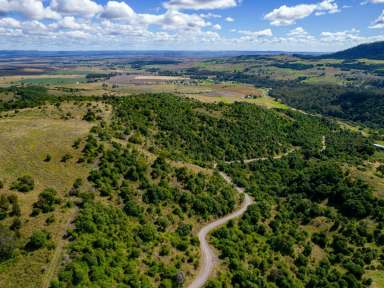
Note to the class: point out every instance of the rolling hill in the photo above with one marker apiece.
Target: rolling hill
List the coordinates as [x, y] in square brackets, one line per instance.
[370, 51]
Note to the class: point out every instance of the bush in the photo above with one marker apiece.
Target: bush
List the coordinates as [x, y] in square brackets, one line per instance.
[39, 239]
[1, 184]
[47, 201]
[15, 207]
[90, 116]
[23, 184]
[7, 244]
[147, 233]
[184, 230]
[66, 157]
[48, 158]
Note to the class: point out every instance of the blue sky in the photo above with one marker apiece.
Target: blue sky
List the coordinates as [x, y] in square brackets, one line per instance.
[294, 25]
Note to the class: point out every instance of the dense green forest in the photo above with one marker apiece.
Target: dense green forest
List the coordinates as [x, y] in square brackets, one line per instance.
[365, 106]
[201, 133]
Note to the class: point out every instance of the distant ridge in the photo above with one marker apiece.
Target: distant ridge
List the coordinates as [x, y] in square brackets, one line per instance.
[370, 51]
[149, 53]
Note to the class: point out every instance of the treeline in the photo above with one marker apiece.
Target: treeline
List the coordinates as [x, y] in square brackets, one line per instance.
[357, 65]
[193, 131]
[138, 64]
[361, 105]
[25, 97]
[294, 66]
[35, 96]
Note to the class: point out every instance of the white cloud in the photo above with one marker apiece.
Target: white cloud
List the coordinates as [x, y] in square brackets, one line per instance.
[200, 4]
[9, 23]
[300, 35]
[70, 23]
[379, 22]
[255, 35]
[210, 15]
[32, 9]
[373, 2]
[348, 36]
[116, 10]
[76, 34]
[115, 25]
[288, 15]
[175, 20]
[84, 8]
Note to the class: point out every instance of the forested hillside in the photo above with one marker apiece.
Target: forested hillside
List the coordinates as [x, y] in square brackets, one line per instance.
[365, 106]
[370, 51]
[201, 133]
[152, 183]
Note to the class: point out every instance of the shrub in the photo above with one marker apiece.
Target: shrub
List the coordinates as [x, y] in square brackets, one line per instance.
[39, 239]
[23, 184]
[15, 211]
[7, 244]
[184, 230]
[90, 116]
[76, 144]
[147, 233]
[380, 169]
[16, 224]
[47, 201]
[66, 157]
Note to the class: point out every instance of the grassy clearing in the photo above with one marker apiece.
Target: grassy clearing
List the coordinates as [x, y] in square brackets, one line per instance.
[25, 140]
[370, 175]
[377, 277]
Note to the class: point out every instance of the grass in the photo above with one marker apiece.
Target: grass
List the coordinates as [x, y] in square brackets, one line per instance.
[377, 277]
[370, 175]
[25, 140]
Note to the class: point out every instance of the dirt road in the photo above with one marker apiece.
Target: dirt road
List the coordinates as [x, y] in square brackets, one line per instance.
[209, 259]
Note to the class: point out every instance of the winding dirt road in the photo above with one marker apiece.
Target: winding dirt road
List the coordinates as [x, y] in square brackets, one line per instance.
[209, 259]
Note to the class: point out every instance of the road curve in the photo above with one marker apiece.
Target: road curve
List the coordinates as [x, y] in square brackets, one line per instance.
[208, 258]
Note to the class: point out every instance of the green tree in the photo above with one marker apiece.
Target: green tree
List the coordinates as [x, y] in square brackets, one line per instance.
[47, 201]
[38, 239]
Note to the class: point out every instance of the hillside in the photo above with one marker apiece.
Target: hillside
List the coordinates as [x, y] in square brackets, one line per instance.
[369, 51]
[148, 183]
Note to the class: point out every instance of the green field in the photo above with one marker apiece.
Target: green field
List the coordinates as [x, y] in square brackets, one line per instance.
[52, 81]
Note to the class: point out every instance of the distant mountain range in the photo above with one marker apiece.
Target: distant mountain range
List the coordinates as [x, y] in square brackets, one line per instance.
[168, 54]
[370, 51]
